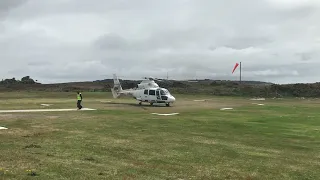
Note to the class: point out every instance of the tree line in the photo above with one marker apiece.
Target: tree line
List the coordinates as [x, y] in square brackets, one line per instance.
[208, 87]
[24, 80]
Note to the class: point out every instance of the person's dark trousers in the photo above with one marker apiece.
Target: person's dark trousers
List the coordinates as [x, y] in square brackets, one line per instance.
[79, 104]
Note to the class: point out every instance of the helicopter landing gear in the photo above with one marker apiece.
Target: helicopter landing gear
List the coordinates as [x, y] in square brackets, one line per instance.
[151, 104]
[140, 103]
[167, 104]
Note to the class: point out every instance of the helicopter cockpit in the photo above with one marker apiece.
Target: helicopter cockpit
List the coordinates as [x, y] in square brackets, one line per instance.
[164, 91]
[164, 94]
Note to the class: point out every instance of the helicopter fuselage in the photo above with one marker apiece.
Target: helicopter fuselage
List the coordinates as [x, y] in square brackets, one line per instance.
[153, 95]
[147, 91]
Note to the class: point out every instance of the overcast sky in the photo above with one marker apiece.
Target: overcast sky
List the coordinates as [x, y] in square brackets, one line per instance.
[74, 40]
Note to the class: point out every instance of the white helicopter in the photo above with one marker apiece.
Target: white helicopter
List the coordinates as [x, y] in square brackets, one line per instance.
[147, 91]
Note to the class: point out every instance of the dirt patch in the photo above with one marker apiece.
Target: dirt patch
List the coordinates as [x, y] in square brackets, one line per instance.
[258, 99]
[52, 117]
[17, 132]
[13, 117]
[32, 146]
[105, 101]
[6, 115]
[203, 140]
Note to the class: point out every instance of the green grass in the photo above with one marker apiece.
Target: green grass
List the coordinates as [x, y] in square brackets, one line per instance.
[280, 140]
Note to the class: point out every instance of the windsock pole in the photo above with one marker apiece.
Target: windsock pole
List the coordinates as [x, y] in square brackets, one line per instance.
[240, 72]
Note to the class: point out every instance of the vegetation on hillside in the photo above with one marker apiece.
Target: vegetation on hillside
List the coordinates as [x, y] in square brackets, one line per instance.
[24, 80]
[211, 87]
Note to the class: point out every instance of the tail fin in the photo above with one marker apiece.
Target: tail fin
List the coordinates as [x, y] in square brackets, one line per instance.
[116, 87]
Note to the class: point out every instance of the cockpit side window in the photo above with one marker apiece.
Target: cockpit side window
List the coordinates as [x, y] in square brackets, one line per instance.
[164, 92]
[152, 92]
[146, 91]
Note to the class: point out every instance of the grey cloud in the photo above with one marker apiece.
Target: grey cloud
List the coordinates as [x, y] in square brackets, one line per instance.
[111, 42]
[300, 13]
[305, 56]
[245, 42]
[39, 63]
[7, 5]
[88, 40]
[193, 37]
[303, 71]
[164, 39]
[44, 8]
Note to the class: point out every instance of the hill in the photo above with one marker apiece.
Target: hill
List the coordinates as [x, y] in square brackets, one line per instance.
[206, 86]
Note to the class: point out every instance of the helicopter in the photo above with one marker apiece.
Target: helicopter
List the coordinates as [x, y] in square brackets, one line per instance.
[146, 91]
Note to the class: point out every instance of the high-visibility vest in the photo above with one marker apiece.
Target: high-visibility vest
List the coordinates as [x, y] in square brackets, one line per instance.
[78, 96]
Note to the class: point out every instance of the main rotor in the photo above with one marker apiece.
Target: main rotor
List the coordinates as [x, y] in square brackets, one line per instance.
[150, 78]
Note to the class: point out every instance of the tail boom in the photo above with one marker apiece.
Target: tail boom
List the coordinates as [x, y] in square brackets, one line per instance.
[117, 90]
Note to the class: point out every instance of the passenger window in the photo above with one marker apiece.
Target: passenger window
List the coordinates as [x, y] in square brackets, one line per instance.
[152, 92]
[158, 93]
[146, 91]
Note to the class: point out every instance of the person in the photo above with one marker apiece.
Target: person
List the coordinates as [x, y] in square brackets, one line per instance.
[79, 98]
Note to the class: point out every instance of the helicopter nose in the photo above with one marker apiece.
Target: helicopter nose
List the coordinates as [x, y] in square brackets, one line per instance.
[172, 98]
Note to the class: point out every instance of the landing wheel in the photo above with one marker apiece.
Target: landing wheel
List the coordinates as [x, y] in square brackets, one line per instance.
[151, 104]
[140, 103]
[167, 104]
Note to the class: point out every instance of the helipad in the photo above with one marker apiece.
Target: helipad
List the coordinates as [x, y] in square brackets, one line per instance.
[44, 110]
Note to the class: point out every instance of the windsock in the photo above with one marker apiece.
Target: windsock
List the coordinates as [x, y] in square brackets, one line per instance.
[235, 67]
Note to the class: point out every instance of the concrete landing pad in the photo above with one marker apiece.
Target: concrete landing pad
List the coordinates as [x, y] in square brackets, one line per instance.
[226, 108]
[44, 110]
[171, 114]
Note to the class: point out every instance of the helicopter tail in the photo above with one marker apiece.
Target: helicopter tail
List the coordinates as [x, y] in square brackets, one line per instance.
[117, 89]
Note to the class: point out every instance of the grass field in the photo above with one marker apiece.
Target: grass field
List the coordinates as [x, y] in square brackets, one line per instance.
[121, 140]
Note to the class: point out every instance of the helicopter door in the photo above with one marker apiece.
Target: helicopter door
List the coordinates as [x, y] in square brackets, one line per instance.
[145, 95]
[152, 95]
[158, 94]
